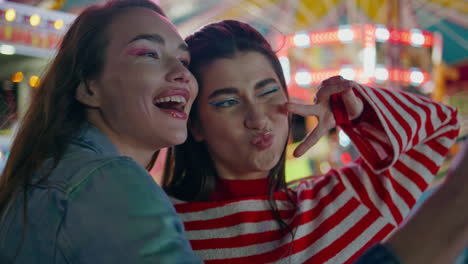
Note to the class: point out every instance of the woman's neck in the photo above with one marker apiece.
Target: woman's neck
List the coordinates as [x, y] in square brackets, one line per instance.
[141, 155]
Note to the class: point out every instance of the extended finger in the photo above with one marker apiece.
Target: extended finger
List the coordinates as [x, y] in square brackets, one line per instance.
[310, 140]
[304, 109]
[326, 90]
[333, 79]
[354, 105]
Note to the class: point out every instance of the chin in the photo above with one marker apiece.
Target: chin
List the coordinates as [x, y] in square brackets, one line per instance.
[177, 138]
[169, 139]
[266, 164]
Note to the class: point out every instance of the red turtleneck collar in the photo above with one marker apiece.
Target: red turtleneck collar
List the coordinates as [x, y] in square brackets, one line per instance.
[238, 189]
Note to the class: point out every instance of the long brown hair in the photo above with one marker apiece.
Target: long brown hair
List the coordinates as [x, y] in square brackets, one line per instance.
[189, 172]
[54, 115]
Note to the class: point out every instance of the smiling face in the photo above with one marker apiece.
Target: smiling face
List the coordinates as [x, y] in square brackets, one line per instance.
[144, 94]
[241, 115]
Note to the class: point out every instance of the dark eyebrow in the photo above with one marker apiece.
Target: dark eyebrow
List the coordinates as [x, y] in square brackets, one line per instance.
[229, 90]
[156, 38]
[265, 82]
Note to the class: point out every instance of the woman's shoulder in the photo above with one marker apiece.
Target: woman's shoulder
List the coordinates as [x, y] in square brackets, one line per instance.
[81, 168]
[108, 171]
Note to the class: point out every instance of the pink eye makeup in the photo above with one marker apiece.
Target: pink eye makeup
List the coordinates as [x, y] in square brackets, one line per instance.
[141, 51]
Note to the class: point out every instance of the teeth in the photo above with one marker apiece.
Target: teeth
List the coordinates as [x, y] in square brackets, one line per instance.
[177, 99]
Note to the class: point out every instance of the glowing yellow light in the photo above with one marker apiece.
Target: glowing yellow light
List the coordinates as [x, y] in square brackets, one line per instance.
[58, 24]
[10, 15]
[17, 77]
[35, 20]
[34, 81]
[1, 155]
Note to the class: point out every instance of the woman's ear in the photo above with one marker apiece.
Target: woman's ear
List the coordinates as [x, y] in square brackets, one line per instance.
[195, 129]
[85, 93]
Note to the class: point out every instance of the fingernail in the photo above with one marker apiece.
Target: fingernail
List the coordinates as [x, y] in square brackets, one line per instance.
[297, 153]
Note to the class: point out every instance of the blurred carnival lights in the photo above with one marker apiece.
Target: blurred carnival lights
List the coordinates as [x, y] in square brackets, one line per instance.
[381, 33]
[345, 34]
[324, 167]
[58, 24]
[10, 15]
[35, 20]
[417, 38]
[34, 81]
[416, 77]
[381, 74]
[303, 78]
[285, 65]
[17, 77]
[7, 49]
[343, 139]
[348, 73]
[301, 40]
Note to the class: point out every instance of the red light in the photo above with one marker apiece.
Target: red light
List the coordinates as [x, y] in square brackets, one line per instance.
[405, 37]
[405, 76]
[395, 35]
[345, 158]
[324, 37]
[428, 40]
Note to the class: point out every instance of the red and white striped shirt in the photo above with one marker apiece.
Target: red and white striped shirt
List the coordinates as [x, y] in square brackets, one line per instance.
[402, 139]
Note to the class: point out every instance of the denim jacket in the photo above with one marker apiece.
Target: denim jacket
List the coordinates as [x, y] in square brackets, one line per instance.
[96, 206]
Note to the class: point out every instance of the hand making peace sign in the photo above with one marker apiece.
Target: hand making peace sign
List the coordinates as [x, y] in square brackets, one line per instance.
[322, 109]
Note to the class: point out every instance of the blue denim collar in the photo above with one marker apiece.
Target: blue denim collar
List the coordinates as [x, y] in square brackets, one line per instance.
[93, 138]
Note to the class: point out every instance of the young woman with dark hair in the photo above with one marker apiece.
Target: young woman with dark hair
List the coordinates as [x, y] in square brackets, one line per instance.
[228, 181]
[76, 187]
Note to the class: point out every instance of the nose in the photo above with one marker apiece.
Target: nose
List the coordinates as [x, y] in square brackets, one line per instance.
[255, 118]
[178, 73]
